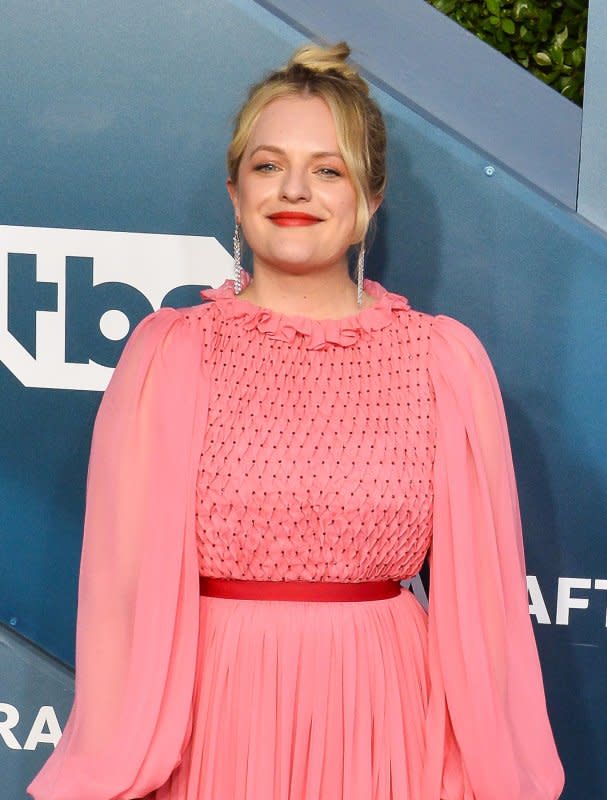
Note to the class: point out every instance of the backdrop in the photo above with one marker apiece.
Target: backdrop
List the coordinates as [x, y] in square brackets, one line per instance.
[115, 121]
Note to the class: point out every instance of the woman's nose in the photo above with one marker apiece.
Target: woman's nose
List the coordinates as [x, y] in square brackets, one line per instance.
[295, 185]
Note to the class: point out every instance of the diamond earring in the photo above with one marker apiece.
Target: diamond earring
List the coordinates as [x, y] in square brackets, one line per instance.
[237, 267]
[360, 268]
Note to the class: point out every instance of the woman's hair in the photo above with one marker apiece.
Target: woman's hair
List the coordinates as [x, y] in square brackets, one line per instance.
[361, 133]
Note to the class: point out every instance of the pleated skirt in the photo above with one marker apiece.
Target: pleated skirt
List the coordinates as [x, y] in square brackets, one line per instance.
[299, 700]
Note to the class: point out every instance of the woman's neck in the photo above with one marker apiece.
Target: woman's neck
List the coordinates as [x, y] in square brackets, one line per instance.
[318, 295]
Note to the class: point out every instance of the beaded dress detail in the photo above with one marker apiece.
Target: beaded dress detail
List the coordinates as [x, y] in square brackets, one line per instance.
[302, 475]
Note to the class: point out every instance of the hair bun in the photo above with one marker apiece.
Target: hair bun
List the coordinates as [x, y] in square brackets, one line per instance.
[327, 60]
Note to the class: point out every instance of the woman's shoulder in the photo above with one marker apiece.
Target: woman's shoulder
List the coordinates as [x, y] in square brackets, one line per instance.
[202, 313]
[445, 341]
[458, 336]
[444, 330]
[169, 329]
[178, 319]
[457, 353]
[438, 328]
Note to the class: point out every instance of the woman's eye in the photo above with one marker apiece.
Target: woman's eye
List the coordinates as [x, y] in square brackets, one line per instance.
[331, 173]
[266, 167]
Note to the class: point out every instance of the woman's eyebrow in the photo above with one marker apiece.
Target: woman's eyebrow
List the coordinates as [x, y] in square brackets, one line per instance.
[280, 151]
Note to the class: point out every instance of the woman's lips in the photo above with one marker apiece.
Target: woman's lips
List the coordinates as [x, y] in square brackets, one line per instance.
[293, 218]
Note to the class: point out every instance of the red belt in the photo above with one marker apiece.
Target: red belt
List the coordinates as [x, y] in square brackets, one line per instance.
[298, 590]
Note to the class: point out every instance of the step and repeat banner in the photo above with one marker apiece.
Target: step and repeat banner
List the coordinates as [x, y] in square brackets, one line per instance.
[113, 134]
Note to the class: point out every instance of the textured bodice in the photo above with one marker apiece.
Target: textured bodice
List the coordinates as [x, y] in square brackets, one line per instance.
[319, 446]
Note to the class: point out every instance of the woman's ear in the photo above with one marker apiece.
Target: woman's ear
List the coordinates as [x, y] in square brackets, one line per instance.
[233, 192]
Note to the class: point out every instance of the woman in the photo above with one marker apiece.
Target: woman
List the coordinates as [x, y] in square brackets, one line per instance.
[302, 442]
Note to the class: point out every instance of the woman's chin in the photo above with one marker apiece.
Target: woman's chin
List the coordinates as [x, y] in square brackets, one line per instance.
[295, 261]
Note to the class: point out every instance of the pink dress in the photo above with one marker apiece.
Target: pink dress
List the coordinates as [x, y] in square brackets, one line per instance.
[238, 442]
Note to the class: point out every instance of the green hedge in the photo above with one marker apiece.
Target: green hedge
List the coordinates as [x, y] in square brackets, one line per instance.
[547, 37]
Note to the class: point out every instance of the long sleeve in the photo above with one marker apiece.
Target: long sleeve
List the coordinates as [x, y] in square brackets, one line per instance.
[487, 710]
[138, 598]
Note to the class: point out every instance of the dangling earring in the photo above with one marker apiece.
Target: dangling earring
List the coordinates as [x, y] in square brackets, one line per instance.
[237, 267]
[360, 271]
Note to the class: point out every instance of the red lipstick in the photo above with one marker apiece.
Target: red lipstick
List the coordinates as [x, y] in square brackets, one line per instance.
[293, 218]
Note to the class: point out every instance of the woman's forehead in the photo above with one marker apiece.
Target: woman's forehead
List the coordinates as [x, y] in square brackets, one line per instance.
[300, 122]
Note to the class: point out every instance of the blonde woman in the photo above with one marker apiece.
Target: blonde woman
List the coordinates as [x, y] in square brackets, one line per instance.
[266, 467]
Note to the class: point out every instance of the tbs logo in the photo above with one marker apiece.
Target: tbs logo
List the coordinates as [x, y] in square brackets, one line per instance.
[69, 298]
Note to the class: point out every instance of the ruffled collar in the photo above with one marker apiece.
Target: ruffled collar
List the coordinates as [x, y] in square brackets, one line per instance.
[317, 333]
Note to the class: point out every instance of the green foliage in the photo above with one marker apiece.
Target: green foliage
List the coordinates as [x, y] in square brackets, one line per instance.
[547, 37]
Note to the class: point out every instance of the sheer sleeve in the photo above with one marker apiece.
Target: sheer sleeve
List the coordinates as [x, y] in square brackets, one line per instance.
[138, 606]
[487, 711]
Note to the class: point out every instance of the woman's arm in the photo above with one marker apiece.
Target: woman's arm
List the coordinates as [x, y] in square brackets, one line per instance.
[487, 705]
[137, 624]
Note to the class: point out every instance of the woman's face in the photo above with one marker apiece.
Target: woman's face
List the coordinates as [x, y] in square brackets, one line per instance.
[294, 197]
